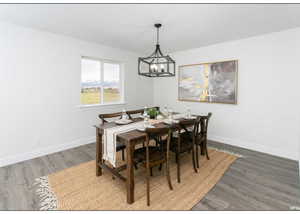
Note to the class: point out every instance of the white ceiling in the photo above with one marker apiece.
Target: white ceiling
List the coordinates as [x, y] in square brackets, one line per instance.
[130, 26]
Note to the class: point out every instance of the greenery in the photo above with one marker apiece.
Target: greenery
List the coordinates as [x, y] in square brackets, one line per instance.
[152, 112]
[92, 96]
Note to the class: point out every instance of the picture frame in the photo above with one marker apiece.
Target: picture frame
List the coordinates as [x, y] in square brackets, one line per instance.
[210, 82]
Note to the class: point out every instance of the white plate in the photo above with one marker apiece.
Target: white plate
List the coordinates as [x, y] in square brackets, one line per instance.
[192, 117]
[142, 129]
[123, 122]
[168, 121]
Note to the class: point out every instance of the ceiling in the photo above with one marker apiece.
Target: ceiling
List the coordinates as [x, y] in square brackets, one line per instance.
[130, 26]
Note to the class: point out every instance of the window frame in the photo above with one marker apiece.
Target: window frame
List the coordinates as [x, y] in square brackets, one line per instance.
[121, 82]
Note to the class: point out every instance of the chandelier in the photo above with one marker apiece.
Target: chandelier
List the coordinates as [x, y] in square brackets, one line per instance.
[156, 65]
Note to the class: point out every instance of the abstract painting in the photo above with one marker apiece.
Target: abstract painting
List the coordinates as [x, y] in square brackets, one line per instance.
[214, 82]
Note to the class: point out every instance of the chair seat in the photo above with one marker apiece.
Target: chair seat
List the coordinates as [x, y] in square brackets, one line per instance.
[155, 155]
[120, 146]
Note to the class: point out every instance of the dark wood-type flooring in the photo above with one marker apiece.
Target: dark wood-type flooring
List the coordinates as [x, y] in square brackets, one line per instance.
[255, 182]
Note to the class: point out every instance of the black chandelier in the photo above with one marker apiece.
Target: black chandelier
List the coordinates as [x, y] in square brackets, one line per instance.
[156, 65]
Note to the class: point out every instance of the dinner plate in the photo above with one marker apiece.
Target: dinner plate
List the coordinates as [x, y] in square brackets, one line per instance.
[142, 129]
[192, 117]
[168, 121]
[123, 122]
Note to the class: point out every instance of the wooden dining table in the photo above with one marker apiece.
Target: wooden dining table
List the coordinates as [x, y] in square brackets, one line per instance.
[130, 139]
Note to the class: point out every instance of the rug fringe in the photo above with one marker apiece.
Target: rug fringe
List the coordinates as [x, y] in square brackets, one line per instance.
[226, 151]
[48, 200]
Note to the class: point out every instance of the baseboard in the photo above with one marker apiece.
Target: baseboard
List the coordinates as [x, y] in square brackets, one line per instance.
[254, 147]
[46, 151]
[52, 149]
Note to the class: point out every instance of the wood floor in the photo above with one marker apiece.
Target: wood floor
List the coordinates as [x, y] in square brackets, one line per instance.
[255, 182]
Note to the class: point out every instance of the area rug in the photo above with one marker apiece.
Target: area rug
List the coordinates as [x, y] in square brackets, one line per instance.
[78, 188]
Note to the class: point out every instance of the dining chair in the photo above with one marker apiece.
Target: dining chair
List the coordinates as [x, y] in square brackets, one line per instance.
[139, 111]
[151, 156]
[131, 113]
[202, 137]
[185, 141]
[103, 117]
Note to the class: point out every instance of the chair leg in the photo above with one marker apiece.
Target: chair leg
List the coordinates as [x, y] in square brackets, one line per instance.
[151, 172]
[197, 156]
[202, 148]
[168, 176]
[206, 152]
[123, 155]
[193, 159]
[160, 167]
[148, 187]
[178, 167]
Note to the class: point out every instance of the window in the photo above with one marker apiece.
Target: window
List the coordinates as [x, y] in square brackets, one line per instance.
[101, 82]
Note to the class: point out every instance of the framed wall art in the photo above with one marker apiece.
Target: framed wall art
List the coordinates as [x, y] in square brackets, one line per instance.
[214, 82]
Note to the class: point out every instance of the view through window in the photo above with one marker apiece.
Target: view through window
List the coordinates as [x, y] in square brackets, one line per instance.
[100, 81]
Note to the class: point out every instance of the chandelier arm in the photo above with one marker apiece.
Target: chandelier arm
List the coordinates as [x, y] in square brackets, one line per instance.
[158, 50]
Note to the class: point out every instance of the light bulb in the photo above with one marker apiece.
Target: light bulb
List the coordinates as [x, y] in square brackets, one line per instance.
[162, 68]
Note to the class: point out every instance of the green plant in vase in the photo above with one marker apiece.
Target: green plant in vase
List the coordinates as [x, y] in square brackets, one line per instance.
[153, 112]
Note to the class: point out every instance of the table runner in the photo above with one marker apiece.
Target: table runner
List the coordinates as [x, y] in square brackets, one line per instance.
[109, 140]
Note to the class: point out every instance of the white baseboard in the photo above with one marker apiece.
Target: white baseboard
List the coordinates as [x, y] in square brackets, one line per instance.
[255, 147]
[46, 151]
[52, 149]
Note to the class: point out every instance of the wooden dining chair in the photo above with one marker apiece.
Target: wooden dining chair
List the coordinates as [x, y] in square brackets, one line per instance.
[131, 113]
[202, 137]
[103, 117]
[185, 141]
[139, 111]
[151, 156]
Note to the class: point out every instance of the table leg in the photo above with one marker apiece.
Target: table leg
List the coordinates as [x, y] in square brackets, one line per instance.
[98, 152]
[130, 173]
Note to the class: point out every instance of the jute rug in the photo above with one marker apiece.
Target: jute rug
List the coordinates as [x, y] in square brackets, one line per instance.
[78, 188]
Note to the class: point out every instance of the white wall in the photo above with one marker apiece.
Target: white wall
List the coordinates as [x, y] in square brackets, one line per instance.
[40, 85]
[265, 118]
[40, 92]
[299, 148]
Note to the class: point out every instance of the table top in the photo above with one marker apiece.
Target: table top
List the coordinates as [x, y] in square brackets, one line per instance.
[133, 135]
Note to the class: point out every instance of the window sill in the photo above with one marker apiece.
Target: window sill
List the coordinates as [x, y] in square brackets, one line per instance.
[100, 105]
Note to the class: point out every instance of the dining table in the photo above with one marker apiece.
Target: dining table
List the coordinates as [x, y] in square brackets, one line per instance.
[130, 139]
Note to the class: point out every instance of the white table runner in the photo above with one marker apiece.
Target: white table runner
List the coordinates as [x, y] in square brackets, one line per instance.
[109, 140]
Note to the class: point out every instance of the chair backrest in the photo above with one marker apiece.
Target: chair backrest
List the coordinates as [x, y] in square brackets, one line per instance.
[158, 132]
[191, 122]
[204, 123]
[132, 112]
[139, 111]
[103, 117]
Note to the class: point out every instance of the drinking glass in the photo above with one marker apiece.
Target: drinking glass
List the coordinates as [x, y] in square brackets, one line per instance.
[145, 114]
[146, 121]
[188, 113]
[165, 112]
[124, 115]
[170, 114]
